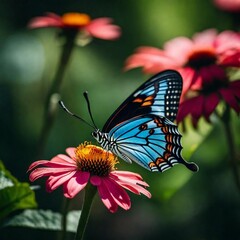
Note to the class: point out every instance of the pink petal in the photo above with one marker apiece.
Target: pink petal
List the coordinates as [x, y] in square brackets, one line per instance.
[184, 110]
[71, 152]
[61, 158]
[43, 172]
[51, 20]
[118, 194]
[128, 177]
[197, 107]
[37, 163]
[55, 181]
[188, 75]
[226, 41]
[56, 162]
[107, 198]
[123, 180]
[39, 172]
[103, 29]
[232, 60]
[96, 180]
[212, 72]
[205, 38]
[210, 104]
[150, 50]
[131, 183]
[193, 106]
[126, 174]
[134, 188]
[230, 98]
[151, 62]
[180, 46]
[75, 184]
[235, 88]
[228, 5]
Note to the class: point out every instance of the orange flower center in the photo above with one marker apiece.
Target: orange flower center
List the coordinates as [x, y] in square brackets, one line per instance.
[202, 57]
[76, 19]
[95, 160]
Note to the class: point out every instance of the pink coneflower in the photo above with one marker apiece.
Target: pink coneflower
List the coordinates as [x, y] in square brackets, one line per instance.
[89, 164]
[203, 101]
[193, 58]
[228, 5]
[99, 27]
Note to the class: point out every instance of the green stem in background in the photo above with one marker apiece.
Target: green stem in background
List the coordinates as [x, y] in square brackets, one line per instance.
[65, 207]
[90, 192]
[231, 145]
[51, 104]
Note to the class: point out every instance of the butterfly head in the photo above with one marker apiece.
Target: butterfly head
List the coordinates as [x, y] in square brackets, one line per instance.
[97, 135]
[103, 139]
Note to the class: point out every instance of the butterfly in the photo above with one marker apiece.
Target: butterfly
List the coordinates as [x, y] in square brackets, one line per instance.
[142, 130]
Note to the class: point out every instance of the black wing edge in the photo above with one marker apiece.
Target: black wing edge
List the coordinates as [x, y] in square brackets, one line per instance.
[162, 74]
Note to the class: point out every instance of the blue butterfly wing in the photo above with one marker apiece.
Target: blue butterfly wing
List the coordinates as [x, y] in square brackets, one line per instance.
[151, 141]
[158, 96]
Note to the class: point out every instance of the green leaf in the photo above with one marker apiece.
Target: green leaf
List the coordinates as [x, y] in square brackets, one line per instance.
[19, 196]
[44, 219]
[14, 195]
[6, 178]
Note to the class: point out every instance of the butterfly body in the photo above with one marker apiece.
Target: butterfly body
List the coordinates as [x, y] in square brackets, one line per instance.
[142, 128]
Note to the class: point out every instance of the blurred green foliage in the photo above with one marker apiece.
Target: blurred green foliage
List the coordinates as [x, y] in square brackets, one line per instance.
[14, 195]
[203, 205]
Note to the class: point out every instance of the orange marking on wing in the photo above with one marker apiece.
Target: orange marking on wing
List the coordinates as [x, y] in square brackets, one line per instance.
[169, 138]
[169, 147]
[152, 164]
[147, 103]
[149, 98]
[159, 124]
[151, 131]
[138, 100]
[159, 160]
[165, 129]
[143, 127]
[167, 155]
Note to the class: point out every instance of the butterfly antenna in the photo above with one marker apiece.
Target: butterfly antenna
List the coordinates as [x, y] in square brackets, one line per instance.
[73, 114]
[85, 94]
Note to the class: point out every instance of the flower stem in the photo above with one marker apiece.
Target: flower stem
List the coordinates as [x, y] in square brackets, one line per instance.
[90, 192]
[53, 96]
[231, 146]
[65, 207]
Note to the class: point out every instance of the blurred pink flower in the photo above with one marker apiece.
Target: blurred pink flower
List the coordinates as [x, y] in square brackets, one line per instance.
[193, 58]
[228, 5]
[203, 101]
[99, 27]
[89, 163]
